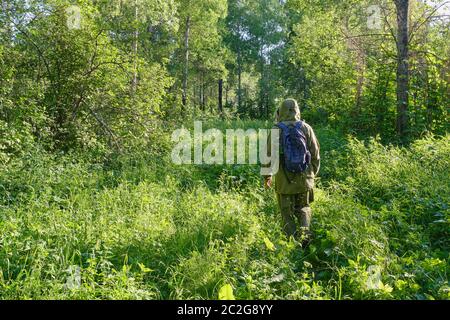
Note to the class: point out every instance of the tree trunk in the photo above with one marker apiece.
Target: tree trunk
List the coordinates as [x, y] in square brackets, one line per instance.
[211, 92]
[263, 89]
[426, 79]
[135, 49]
[194, 95]
[227, 90]
[186, 60]
[402, 67]
[202, 90]
[220, 96]
[355, 44]
[239, 58]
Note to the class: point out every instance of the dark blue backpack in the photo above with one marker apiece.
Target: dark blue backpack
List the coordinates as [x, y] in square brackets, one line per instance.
[294, 147]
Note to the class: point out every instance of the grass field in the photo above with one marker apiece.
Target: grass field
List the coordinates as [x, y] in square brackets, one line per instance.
[137, 227]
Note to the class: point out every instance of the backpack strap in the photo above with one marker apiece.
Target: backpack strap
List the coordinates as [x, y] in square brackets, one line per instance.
[299, 125]
[284, 131]
[282, 126]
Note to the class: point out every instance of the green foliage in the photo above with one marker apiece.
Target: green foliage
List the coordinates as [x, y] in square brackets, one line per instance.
[226, 293]
[113, 81]
[92, 208]
[138, 227]
[344, 72]
[70, 87]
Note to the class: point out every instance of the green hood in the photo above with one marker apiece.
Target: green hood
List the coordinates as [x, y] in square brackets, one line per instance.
[289, 111]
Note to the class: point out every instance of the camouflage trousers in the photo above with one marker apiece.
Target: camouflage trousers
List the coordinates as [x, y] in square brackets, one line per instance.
[296, 211]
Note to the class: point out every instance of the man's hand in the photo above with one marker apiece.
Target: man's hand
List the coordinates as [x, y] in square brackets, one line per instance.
[268, 182]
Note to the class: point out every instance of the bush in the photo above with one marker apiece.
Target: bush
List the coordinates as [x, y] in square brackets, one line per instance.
[137, 227]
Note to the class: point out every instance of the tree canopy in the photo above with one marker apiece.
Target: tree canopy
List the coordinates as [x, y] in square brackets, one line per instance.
[83, 73]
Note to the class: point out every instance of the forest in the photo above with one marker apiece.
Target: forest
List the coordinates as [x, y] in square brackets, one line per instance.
[93, 207]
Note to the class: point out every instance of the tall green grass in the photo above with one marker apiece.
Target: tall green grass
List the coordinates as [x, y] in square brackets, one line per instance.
[138, 227]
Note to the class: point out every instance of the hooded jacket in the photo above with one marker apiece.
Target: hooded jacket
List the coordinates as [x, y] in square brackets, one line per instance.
[294, 183]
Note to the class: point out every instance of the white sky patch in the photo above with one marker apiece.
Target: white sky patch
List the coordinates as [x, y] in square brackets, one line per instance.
[443, 6]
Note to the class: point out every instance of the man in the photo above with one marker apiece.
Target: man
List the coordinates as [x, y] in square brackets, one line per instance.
[295, 190]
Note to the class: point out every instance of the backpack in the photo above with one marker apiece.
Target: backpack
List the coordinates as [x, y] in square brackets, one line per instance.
[294, 147]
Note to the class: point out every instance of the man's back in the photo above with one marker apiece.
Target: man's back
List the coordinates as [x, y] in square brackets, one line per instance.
[295, 190]
[292, 183]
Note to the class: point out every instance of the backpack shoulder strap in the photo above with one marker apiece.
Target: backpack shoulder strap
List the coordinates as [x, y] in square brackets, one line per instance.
[282, 126]
[302, 127]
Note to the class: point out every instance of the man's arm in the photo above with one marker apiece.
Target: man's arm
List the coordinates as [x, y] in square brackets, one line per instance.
[314, 149]
[268, 178]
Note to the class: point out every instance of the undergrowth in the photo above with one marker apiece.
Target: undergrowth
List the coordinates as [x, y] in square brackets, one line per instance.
[138, 227]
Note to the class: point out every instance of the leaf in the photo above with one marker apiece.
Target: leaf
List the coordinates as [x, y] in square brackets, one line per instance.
[226, 293]
[143, 268]
[385, 288]
[270, 246]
